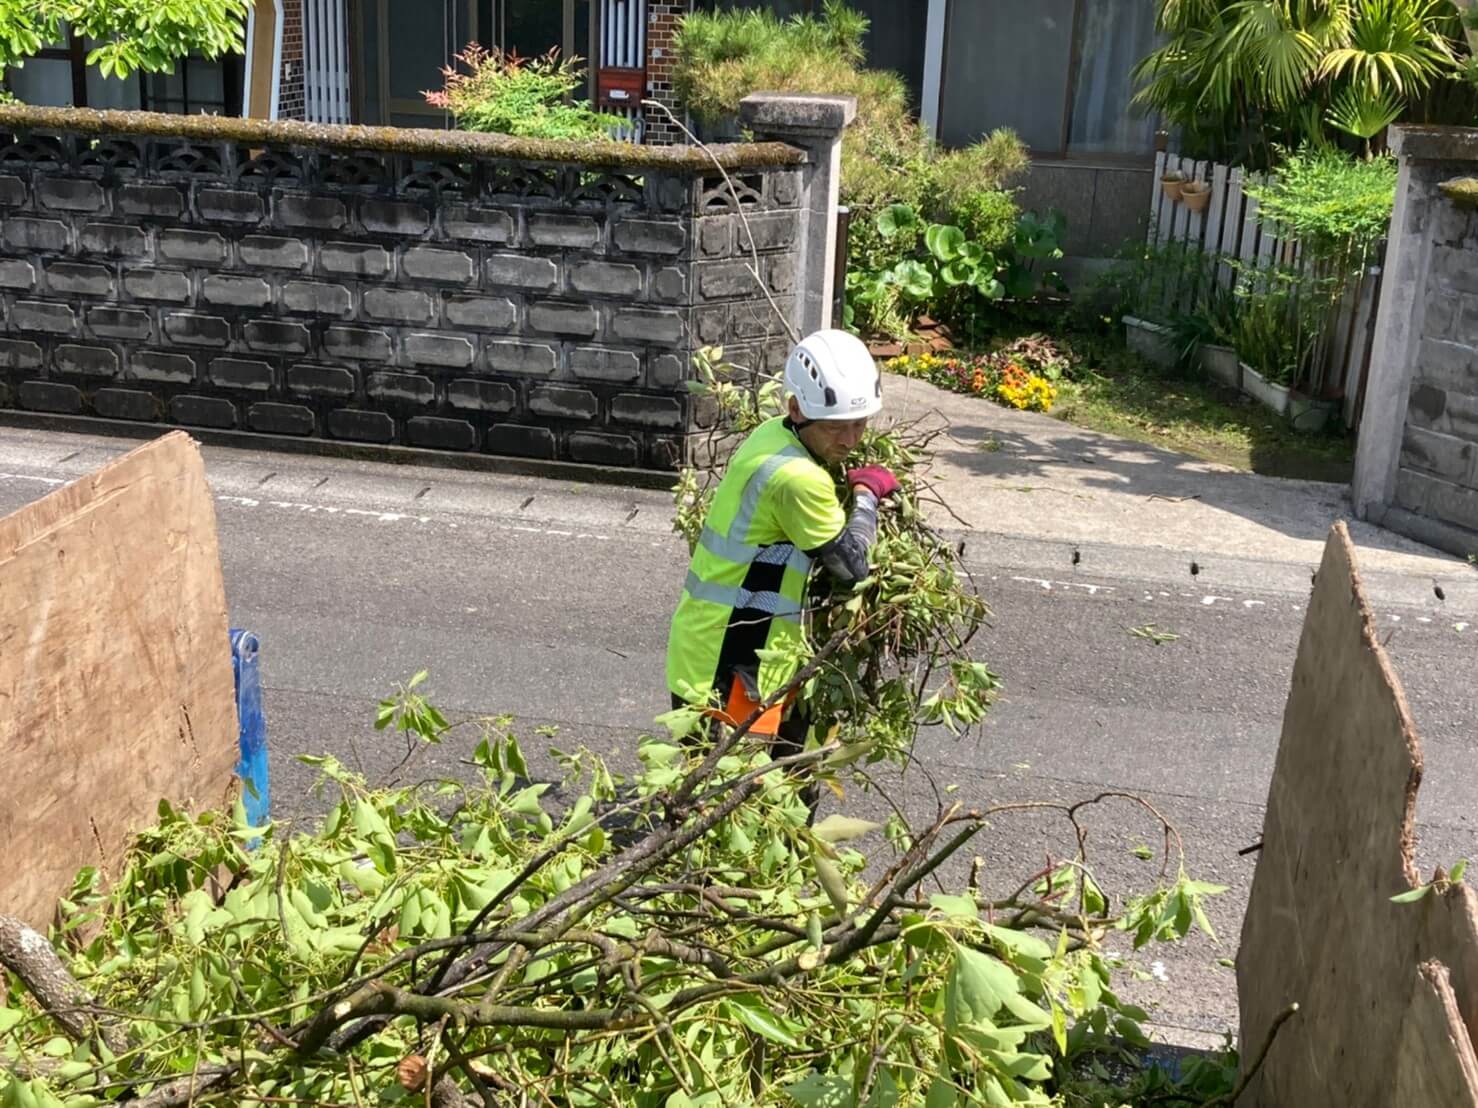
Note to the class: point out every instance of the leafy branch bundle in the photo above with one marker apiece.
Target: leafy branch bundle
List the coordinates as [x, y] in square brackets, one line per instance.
[674, 935]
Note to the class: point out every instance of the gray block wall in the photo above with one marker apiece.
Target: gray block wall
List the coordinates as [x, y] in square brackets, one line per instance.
[509, 306]
[1417, 465]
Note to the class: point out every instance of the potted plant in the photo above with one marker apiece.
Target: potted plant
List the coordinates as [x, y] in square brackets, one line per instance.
[1195, 195]
[1173, 181]
[1262, 346]
[1204, 335]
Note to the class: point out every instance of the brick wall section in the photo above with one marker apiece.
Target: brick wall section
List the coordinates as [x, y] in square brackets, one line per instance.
[292, 95]
[1438, 474]
[515, 308]
[663, 17]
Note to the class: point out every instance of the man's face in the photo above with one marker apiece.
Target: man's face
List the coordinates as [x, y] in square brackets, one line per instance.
[831, 440]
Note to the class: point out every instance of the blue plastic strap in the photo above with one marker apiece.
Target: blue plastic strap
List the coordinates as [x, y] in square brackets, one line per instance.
[252, 769]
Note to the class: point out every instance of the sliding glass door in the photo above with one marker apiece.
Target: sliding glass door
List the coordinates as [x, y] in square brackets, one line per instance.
[402, 46]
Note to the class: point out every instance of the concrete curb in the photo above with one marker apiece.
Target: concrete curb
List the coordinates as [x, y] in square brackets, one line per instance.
[325, 448]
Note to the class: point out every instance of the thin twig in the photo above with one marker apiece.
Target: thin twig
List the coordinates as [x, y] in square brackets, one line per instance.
[1262, 1056]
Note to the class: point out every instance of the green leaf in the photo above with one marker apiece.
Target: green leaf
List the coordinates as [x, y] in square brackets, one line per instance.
[913, 279]
[1094, 902]
[1028, 1067]
[1412, 896]
[513, 754]
[895, 218]
[944, 241]
[762, 1021]
[977, 988]
[958, 273]
[841, 829]
[1059, 1026]
[1459, 868]
[831, 881]
[9, 1017]
[942, 1094]
[821, 1090]
[961, 907]
[1142, 852]
[1030, 1014]
[1019, 944]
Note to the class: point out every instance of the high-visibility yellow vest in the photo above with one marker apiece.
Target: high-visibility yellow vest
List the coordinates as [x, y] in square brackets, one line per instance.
[746, 585]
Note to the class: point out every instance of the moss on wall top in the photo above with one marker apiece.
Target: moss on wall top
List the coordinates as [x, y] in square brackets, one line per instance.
[1462, 191]
[420, 142]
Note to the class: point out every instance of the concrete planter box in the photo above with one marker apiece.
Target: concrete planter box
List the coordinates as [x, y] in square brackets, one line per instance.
[1272, 396]
[1222, 365]
[1309, 415]
[1151, 341]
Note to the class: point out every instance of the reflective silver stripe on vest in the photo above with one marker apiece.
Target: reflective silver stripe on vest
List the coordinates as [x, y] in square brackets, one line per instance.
[771, 603]
[755, 488]
[743, 552]
[730, 545]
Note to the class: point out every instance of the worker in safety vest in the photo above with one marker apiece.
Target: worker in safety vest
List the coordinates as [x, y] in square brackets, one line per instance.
[774, 514]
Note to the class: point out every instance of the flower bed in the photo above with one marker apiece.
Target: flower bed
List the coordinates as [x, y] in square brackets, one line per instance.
[1021, 375]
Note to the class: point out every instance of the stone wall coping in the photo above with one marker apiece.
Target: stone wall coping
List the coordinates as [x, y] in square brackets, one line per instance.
[417, 141]
[1435, 144]
[792, 113]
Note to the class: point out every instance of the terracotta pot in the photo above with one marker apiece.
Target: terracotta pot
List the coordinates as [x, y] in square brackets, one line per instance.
[1172, 187]
[1195, 195]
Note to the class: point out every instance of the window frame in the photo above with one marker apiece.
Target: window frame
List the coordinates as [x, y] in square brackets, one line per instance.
[1063, 153]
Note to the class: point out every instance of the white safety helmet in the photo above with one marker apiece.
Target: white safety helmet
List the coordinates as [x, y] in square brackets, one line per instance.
[832, 376]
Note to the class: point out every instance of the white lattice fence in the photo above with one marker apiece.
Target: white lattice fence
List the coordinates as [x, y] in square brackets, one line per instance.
[1229, 227]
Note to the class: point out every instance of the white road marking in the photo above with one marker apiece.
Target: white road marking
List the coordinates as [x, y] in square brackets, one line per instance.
[1048, 586]
[29, 477]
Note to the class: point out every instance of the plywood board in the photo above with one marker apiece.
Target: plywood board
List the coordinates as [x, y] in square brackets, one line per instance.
[1321, 929]
[1433, 1023]
[115, 668]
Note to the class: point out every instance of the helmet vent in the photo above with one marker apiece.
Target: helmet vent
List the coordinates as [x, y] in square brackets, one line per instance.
[831, 398]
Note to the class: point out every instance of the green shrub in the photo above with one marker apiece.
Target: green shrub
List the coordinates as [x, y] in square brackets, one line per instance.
[724, 56]
[888, 158]
[1279, 322]
[988, 166]
[989, 217]
[529, 97]
[1335, 205]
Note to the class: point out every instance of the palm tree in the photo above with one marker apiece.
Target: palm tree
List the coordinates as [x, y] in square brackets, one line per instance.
[1242, 76]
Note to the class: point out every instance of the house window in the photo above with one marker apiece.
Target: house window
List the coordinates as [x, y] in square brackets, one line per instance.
[1113, 35]
[196, 86]
[1055, 71]
[59, 76]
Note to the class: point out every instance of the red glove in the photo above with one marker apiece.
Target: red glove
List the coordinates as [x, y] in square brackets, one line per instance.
[875, 479]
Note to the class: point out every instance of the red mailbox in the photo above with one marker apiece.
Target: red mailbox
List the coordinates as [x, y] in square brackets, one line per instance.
[620, 88]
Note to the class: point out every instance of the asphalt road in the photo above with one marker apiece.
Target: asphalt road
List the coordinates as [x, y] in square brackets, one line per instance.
[550, 601]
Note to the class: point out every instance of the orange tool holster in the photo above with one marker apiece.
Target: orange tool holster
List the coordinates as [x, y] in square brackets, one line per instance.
[744, 700]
